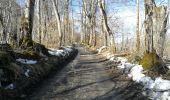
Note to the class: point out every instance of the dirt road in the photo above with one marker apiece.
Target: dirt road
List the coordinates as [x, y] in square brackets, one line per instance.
[90, 79]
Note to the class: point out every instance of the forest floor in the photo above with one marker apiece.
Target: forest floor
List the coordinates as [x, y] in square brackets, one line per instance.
[91, 78]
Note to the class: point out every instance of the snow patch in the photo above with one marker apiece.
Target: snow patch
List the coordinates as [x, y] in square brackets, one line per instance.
[168, 67]
[101, 48]
[158, 89]
[26, 61]
[69, 49]
[112, 59]
[56, 52]
[27, 73]
[3, 42]
[109, 56]
[10, 86]
[128, 67]
[147, 82]
[161, 84]
[136, 73]
[122, 60]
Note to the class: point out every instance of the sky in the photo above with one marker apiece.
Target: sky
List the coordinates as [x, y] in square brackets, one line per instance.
[21, 2]
[125, 10]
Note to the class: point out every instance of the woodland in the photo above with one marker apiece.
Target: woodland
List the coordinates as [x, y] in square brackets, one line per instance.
[39, 39]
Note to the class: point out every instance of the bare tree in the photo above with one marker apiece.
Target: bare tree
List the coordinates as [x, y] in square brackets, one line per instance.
[66, 22]
[137, 28]
[106, 27]
[149, 5]
[39, 19]
[27, 24]
[155, 26]
[161, 27]
[55, 7]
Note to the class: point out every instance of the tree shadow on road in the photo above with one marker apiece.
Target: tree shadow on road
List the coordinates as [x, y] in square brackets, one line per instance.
[133, 91]
[84, 85]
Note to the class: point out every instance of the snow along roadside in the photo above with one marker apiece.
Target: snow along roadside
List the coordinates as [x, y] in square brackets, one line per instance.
[56, 52]
[158, 89]
[62, 52]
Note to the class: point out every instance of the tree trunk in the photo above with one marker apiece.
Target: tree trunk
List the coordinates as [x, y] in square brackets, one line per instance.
[155, 62]
[30, 17]
[137, 28]
[55, 7]
[82, 24]
[155, 27]
[27, 25]
[72, 32]
[66, 21]
[39, 19]
[149, 5]
[161, 27]
[106, 27]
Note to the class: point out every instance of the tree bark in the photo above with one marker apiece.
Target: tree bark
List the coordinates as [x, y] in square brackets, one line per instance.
[106, 27]
[27, 25]
[55, 7]
[39, 19]
[149, 5]
[137, 28]
[31, 4]
[155, 27]
[66, 34]
[162, 24]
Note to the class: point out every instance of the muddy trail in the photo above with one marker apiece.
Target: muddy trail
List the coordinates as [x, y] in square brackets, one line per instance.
[89, 77]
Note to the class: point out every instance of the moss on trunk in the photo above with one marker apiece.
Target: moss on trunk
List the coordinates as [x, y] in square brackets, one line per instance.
[151, 61]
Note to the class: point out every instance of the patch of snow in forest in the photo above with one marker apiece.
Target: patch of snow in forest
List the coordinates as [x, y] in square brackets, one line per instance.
[3, 42]
[27, 73]
[158, 89]
[122, 60]
[101, 48]
[57, 52]
[147, 82]
[168, 66]
[112, 58]
[161, 84]
[128, 67]
[69, 49]
[109, 56]
[26, 61]
[136, 73]
[10, 86]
